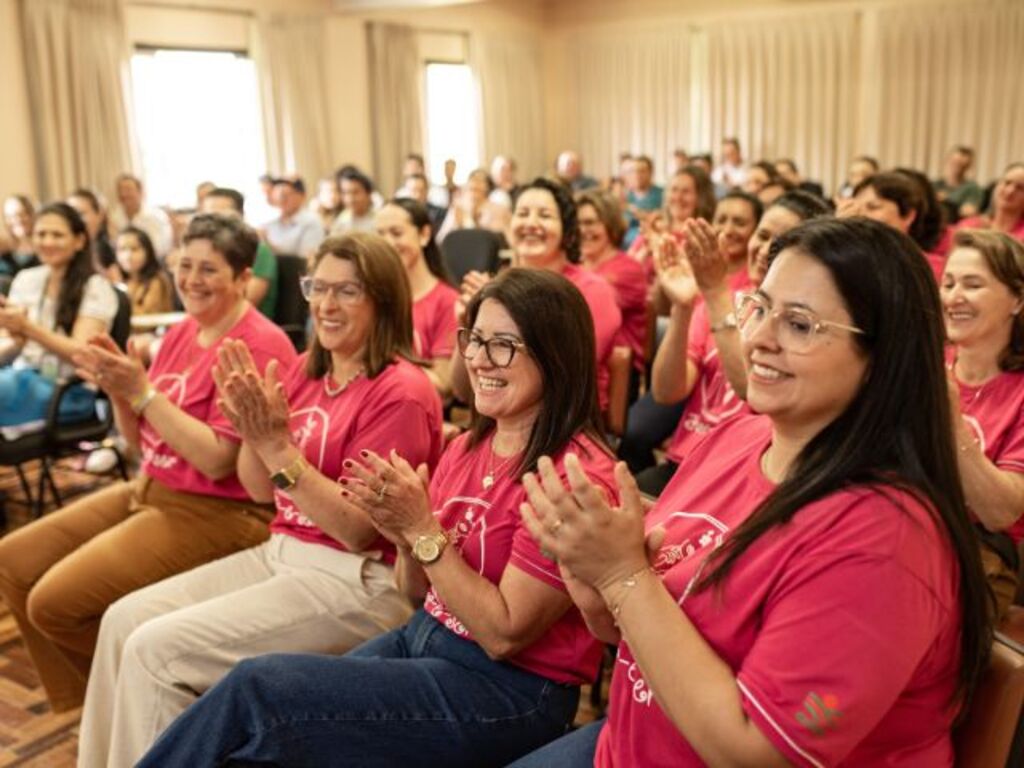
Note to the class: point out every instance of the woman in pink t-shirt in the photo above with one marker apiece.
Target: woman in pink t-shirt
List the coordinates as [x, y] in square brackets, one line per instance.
[490, 668]
[807, 591]
[405, 224]
[545, 235]
[324, 581]
[186, 507]
[1007, 212]
[983, 298]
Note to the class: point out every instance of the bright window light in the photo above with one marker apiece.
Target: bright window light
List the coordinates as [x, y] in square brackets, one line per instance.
[451, 121]
[197, 118]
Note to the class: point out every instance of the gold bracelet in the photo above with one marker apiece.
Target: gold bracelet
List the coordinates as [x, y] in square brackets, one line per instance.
[628, 583]
[138, 405]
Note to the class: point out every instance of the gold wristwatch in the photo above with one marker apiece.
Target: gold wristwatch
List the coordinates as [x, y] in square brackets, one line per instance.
[286, 477]
[428, 549]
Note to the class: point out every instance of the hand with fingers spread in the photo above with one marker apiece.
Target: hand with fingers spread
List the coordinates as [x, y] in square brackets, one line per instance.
[122, 376]
[472, 282]
[675, 274]
[256, 405]
[849, 207]
[703, 251]
[597, 543]
[393, 494]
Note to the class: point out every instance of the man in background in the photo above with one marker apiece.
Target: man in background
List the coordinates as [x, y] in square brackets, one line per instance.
[297, 230]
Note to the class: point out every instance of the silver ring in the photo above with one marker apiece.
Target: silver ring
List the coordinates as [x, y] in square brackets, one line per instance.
[382, 491]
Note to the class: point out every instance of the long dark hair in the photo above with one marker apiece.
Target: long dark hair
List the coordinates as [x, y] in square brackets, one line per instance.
[566, 212]
[151, 268]
[420, 219]
[555, 324]
[896, 433]
[79, 270]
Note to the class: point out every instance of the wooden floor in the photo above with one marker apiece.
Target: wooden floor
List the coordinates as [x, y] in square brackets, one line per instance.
[31, 736]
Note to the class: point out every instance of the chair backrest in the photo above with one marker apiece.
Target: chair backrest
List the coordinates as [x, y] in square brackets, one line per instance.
[292, 310]
[121, 327]
[620, 365]
[987, 736]
[465, 250]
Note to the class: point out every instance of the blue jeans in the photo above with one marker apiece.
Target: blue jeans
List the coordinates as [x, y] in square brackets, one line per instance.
[574, 750]
[648, 425]
[417, 696]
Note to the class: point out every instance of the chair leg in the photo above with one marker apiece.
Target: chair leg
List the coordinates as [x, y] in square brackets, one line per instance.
[53, 485]
[25, 487]
[40, 498]
[122, 466]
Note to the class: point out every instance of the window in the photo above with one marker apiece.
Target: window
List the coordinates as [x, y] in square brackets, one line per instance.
[451, 121]
[197, 118]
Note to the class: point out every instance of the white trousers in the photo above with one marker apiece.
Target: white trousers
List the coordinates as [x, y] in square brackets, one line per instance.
[161, 647]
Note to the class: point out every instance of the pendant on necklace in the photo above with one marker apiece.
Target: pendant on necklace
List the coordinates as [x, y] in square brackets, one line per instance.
[488, 481]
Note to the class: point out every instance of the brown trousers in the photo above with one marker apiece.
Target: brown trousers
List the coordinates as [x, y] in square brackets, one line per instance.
[59, 574]
[1001, 580]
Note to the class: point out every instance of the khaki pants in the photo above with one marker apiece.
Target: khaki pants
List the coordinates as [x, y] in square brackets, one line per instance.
[164, 645]
[59, 574]
[1001, 580]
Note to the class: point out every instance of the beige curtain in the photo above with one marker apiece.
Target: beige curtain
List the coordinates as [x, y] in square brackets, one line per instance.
[631, 93]
[945, 74]
[396, 100]
[509, 75]
[76, 67]
[290, 52]
[786, 88]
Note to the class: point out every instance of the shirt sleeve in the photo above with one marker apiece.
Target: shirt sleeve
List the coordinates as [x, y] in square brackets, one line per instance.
[98, 300]
[443, 328]
[1011, 454]
[265, 265]
[26, 290]
[841, 637]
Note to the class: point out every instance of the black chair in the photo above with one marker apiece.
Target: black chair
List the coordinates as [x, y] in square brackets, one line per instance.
[55, 440]
[292, 311]
[465, 250]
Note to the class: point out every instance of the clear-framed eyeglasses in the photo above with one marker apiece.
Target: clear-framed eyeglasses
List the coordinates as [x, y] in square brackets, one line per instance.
[797, 329]
[500, 351]
[345, 292]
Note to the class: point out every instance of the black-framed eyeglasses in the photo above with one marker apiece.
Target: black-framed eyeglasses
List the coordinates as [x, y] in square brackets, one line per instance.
[500, 351]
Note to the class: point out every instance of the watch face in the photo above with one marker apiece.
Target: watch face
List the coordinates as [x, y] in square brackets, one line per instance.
[427, 550]
[281, 481]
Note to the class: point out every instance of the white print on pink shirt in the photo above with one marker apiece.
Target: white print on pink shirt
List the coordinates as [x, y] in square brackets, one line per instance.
[307, 425]
[174, 387]
[975, 425]
[702, 539]
[473, 516]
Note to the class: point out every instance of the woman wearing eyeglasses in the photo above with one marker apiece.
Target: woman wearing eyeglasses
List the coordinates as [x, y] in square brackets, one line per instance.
[490, 667]
[324, 582]
[813, 594]
[983, 298]
[186, 507]
[699, 359]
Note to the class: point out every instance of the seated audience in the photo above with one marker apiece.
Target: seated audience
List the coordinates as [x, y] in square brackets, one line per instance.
[471, 208]
[1007, 210]
[983, 298]
[545, 235]
[261, 290]
[405, 225]
[17, 252]
[904, 202]
[814, 594]
[297, 231]
[786, 168]
[503, 181]
[357, 202]
[148, 286]
[699, 361]
[730, 173]
[760, 175]
[569, 169]
[89, 207]
[327, 204]
[960, 194]
[130, 211]
[860, 168]
[416, 187]
[643, 196]
[59, 574]
[52, 311]
[323, 582]
[490, 667]
[602, 226]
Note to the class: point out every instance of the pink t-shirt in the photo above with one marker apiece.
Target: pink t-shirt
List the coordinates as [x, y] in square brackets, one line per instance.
[995, 413]
[604, 309]
[982, 222]
[938, 264]
[627, 277]
[842, 626]
[182, 372]
[398, 409]
[433, 322]
[484, 524]
[713, 400]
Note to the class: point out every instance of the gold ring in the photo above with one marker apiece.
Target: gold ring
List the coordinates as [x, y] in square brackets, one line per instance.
[382, 491]
[557, 524]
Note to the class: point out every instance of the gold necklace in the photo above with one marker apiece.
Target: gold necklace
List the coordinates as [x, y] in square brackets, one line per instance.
[488, 479]
[335, 392]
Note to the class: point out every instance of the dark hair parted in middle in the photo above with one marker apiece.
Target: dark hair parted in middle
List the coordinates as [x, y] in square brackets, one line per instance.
[79, 270]
[420, 218]
[555, 325]
[379, 268]
[566, 212]
[232, 238]
[896, 433]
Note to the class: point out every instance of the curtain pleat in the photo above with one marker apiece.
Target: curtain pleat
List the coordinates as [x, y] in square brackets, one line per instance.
[77, 69]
